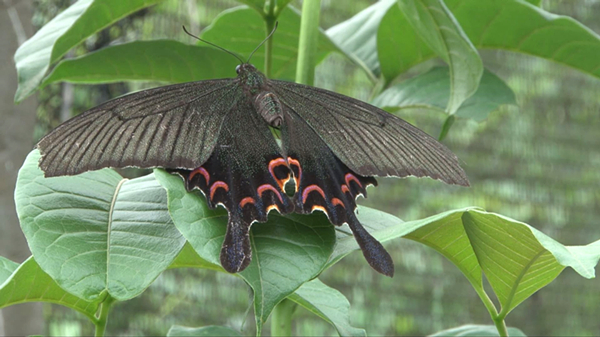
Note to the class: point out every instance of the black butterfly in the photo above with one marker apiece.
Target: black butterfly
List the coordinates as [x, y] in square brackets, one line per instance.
[216, 135]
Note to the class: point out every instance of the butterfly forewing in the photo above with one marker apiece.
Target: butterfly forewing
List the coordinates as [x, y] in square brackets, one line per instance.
[174, 126]
[367, 139]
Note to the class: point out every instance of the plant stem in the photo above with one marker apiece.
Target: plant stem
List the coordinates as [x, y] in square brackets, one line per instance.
[281, 321]
[270, 19]
[309, 38]
[103, 318]
[498, 318]
[500, 326]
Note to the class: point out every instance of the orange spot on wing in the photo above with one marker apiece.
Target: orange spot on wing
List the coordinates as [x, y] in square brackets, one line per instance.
[265, 187]
[345, 189]
[216, 185]
[336, 201]
[311, 188]
[320, 208]
[246, 200]
[202, 171]
[270, 207]
[350, 177]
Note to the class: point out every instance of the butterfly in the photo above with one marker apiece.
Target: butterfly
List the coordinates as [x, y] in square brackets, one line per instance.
[216, 134]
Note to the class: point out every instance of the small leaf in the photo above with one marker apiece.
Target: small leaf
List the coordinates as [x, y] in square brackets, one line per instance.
[476, 331]
[96, 232]
[438, 28]
[29, 283]
[208, 331]
[512, 25]
[188, 258]
[357, 36]
[7, 267]
[327, 303]
[161, 60]
[241, 30]
[286, 251]
[65, 31]
[432, 88]
[517, 259]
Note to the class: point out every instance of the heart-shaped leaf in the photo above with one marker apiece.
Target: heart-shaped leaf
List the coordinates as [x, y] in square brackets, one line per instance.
[65, 31]
[286, 251]
[438, 28]
[327, 303]
[241, 30]
[432, 90]
[96, 231]
[160, 60]
[29, 283]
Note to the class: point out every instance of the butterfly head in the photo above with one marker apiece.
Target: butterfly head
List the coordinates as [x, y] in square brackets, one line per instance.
[251, 79]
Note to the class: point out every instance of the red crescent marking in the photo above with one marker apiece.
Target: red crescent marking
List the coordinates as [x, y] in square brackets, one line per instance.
[345, 188]
[272, 165]
[311, 188]
[293, 161]
[202, 171]
[270, 207]
[349, 177]
[321, 208]
[265, 187]
[336, 201]
[216, 185]
[246, 200]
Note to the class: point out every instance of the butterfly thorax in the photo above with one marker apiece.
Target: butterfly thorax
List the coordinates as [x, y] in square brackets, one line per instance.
[264, 101]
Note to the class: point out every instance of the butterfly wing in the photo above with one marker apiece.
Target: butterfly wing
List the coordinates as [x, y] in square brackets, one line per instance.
[369, 140]
[246, 174]
[173, 126]
[324, 183]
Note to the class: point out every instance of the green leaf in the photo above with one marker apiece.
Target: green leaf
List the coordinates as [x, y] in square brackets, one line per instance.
[257, 5]
[160, 60]
[188, 258]
[535, 2]
[476, 331]
[327, 303]
[7, 267]
[517, 259]
[65, 31]
[438, 28]
[241, 30]
[357, 36]
[211, 330]
[96, 232]
[29, 283]
[286, 251]
[512, 25]
[432, 89]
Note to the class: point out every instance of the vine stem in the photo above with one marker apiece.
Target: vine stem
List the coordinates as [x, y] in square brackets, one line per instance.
[102, 319]
[281, 321]
[307, 48]
[498, 318]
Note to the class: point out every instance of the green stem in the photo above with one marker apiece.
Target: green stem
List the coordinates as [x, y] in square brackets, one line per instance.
[309, 38]
[501, 326]
[281, 321]
[103, 317]
[270, 19]
[498, 318]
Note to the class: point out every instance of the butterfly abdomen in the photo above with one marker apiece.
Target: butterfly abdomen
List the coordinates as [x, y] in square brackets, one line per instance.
[269, 107]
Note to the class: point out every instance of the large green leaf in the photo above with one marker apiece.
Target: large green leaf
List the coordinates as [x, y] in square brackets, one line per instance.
[471, 330]
[96, 232]
[327, 303]
[66, 30]
[188, 258]
[517, 259]
[208, 331]
[512, 25]
[241, 30]
[438, 28]
[432, 90]
[357, 36]
[29, 283]
[286, 251]
[161, 60]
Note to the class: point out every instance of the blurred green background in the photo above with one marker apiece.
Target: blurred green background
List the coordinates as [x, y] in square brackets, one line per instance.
[538, 163]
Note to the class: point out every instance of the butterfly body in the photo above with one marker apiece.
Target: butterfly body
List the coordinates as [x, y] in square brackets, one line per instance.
[216, 135]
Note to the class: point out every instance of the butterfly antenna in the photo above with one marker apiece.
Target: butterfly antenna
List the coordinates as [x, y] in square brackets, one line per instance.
[212, 44]
[263, 42]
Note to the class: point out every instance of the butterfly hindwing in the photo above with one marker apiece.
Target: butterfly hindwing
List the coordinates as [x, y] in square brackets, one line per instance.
[173, 126]
[367, 139]
[246, 174]
[326, 184]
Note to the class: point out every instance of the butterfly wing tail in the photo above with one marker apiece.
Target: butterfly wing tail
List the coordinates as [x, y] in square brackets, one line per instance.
[377, 257]
[236, 252]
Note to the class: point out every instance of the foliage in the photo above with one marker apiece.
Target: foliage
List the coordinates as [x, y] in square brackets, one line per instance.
[98, 238]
